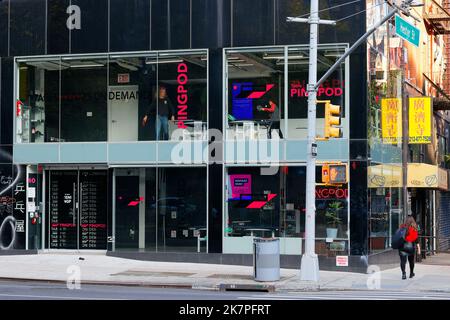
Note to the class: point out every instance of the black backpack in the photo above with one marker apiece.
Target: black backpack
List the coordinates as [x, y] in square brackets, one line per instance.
[398, 239]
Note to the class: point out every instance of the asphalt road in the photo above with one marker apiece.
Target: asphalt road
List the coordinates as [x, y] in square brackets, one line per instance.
[28, 290]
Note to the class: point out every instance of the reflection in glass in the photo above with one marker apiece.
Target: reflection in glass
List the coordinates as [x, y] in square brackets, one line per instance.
[37, 106]
[127, 98]
[182, 96]
[84, 99]
[274, 206]
[127, 209]
[255, 94]
[161, 209]
[181, 209]
[131, 90]
[253, 203]
[333, 89]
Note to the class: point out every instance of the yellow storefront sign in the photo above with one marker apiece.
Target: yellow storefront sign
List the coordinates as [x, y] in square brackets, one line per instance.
[421, 175]
[384, 176]
[391, 120]
[420, 120]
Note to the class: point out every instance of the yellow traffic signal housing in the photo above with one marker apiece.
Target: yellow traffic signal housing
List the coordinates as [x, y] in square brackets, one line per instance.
[325, 173]
[332, 118]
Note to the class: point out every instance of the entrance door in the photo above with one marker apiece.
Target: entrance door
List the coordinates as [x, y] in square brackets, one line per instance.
[77, 209]
[123, 108]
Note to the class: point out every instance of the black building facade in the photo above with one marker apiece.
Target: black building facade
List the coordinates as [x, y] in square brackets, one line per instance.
[66, 58]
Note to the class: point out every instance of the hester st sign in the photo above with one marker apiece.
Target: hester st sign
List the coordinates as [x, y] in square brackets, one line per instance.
[407, 31]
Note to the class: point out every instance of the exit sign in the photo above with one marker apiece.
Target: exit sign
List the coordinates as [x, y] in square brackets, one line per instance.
[407, 31]
[123, 78]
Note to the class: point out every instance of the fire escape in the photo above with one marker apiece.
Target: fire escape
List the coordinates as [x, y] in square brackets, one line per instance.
[437, 22]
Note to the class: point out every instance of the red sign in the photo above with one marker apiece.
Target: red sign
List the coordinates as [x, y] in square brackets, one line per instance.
[123, 78]
[331, 193]
[341, 261]
[19, 105]
[330, 88]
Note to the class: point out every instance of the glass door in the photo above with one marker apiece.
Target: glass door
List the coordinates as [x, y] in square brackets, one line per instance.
[77, 209]
[92, 231]
[63, 207]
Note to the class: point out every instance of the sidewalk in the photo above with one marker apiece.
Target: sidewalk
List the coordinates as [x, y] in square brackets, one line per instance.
[101, 269]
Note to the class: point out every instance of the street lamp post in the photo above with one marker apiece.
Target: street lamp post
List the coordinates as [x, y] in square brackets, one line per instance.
[310, 264]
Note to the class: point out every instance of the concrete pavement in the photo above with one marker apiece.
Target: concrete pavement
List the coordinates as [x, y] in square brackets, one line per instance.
[101, 269]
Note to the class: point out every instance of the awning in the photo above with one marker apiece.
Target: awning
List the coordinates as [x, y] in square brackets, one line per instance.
[384, 176]
[422, 175]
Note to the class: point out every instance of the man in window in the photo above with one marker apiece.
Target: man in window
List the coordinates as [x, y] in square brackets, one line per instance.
[274, 117]
[165, 110]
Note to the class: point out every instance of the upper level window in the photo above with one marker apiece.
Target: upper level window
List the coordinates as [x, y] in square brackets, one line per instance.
[267, 91]
[115, 98]
[37, 105]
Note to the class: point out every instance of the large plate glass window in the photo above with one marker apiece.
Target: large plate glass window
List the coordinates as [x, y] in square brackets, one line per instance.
[181, 99]
[255, 95]
[37, 104]
[333, 89]
[84, 83]
[131, 92]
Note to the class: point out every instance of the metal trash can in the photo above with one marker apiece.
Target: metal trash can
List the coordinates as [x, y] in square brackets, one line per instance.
[266, 259]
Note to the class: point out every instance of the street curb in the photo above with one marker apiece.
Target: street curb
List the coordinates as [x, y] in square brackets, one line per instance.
[108, 283]
[217, 287]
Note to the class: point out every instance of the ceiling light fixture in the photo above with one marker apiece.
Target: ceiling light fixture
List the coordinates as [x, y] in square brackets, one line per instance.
[298, 56]
[90, 65]
[164, 61]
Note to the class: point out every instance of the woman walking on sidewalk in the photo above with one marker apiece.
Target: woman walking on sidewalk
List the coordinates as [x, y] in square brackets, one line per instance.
[408, 250]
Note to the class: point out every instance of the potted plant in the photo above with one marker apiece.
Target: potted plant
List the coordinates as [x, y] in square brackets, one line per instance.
[333, 220]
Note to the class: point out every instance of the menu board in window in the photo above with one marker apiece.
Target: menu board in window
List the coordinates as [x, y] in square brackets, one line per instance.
[93, 200]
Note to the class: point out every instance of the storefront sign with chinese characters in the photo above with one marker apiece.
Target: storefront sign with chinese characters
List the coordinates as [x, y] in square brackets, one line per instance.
[391, 120]
[420, 120]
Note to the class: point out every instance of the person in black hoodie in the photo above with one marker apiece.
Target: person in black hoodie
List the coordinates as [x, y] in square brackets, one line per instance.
[165, 111]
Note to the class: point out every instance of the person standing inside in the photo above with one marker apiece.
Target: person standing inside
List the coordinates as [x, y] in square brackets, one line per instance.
[408, 250]
[165, 110]
[274, 118]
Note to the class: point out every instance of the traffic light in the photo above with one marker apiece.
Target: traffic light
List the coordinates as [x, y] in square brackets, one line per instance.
[334, 173]
[325, 173]
[332, 118]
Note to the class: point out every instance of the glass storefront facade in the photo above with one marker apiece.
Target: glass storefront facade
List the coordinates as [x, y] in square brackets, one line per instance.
[160, 209]
[259, 205]
[109, 96]
[385, 200]
[112, 98]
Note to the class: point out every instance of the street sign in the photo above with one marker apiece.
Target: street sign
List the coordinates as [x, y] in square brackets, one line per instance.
[314, 149]
[407, 31]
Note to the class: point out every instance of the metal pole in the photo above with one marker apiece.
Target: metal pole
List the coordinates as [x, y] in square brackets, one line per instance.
[405, 135]
[310, 262]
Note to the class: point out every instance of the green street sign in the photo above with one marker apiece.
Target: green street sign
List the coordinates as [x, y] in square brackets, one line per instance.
[407, 31]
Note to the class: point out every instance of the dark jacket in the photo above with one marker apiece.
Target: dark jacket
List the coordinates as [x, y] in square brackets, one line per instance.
[164, 106]
[409, 247]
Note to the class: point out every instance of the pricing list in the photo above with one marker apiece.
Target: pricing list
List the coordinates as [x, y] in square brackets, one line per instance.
[93, 213]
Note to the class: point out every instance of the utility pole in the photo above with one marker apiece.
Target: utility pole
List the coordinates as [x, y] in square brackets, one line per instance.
[405, 136]
[309, 269]
[310, 264]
